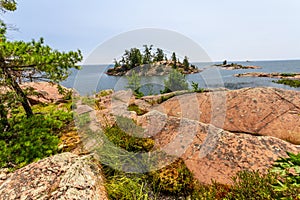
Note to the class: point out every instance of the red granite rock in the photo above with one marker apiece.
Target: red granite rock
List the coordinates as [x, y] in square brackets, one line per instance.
[63, 176]
[212, 153]
[260, 111]
[45, 92]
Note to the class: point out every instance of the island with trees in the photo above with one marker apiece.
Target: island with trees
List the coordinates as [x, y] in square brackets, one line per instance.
[147, 63]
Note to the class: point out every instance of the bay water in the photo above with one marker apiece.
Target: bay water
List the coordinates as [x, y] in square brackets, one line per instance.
[92, 78]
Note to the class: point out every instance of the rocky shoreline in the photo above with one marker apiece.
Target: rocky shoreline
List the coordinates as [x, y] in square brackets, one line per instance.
[255, 125]
[270, 75]
[216, 133]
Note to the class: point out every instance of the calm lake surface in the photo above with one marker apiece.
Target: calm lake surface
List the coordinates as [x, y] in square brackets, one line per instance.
[92, 78]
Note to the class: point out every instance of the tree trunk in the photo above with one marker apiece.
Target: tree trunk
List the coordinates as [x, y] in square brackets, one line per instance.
[19, 92]
[3, 117]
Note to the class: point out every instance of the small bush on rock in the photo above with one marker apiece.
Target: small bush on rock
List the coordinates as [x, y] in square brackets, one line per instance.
[30, 139]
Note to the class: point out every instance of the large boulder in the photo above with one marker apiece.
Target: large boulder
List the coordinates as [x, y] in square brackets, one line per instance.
[44, 92]
[212, 153]
[260, 111]
[63, 176]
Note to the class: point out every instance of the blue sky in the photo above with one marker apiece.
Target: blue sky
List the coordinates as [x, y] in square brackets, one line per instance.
[225, 29]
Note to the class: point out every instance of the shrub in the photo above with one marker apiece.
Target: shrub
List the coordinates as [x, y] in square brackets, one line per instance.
[30, 139]
[196, 88]
[288, 185]
[252, 185]
[175, 81]
[134, 83]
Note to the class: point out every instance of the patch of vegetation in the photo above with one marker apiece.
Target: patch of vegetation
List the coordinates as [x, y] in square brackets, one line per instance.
[129, 126]
[282, 182]
[293, 83]
[134, 83]
[175, 82]
[165, 98]
[83, 120]
[174, 179]
[33, 138]
[195, 88]
[214, 191]
[168, 96]
[126, 186]
[88, 100]
[252, 185]
[104, 93]
[121, 139]
[288, 185]
[136, 109]
[288, 74]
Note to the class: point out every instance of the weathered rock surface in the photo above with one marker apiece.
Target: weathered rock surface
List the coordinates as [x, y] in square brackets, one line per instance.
[212, 153]
[191, 126]
[45, 92]
[63, 176]
[262, 111]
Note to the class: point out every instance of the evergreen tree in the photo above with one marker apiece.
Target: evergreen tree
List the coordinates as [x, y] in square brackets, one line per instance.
[8, 5]
[147, 57]
[117, 64]
[186, 63]
[135, 58]
[33, 61]
[159, 55]
[174, 60]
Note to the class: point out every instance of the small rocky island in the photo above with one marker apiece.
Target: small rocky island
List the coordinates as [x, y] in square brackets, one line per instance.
[270, 75]
[233, 66]
[147, 63]
[290, 79]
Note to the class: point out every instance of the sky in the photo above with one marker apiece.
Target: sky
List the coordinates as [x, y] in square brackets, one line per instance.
[235, 30]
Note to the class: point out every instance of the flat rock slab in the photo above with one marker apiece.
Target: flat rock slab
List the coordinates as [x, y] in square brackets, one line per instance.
[261, 111]
[212, 153]
[63, 176]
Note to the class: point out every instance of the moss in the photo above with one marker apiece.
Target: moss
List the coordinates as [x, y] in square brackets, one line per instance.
[104, 93]
[136, 109]
[174, 179]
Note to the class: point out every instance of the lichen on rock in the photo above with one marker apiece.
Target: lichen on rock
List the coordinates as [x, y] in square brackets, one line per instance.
[63, 176]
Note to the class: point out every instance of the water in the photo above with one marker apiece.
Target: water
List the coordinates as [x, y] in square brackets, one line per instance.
[92, 78]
